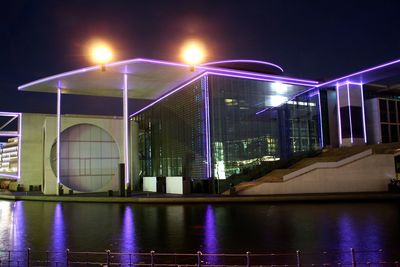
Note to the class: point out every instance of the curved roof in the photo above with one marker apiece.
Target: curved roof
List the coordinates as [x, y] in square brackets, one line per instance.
[247, 65]
[144, 79]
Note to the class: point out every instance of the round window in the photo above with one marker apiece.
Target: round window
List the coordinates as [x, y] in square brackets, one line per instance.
[88, 158]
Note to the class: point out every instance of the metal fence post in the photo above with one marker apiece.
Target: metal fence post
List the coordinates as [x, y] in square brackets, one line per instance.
[152, 258]
[248, 258]
[298, 258]
[198, 258]
[353, 257]
[28, 255]
[108, 257]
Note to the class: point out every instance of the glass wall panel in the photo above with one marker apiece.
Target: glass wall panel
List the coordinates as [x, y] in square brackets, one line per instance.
[241, 139]
[172, 137]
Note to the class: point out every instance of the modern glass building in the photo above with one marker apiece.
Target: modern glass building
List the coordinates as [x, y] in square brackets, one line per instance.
[213, 127]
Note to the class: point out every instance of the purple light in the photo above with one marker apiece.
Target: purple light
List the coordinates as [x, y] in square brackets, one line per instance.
[19, 223]
[161, 62]
[243, 61]
[351, 124]
[338, 110]
[363, 112]
[320, 119]
[17, 134]
[168, 94]
[128, 235]
[271, 78]
[58, 134]
[58, 235]
[207, 126]
[210, 235]
[360, 72]
[126, 145]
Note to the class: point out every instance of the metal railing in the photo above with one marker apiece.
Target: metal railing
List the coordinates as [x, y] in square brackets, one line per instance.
[68, 258]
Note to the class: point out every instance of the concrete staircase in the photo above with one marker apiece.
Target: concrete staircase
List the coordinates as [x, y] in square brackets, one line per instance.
[328, 159]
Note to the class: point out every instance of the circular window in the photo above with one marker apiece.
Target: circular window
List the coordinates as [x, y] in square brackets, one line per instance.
[88, 158]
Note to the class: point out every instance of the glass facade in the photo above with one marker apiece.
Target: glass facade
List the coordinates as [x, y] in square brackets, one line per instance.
[214, 119]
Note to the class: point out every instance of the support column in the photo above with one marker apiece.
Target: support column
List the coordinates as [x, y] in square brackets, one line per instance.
[126, 131]
[58, 138]
[351, 114]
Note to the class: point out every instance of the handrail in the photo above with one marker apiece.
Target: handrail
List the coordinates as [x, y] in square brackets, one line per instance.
[351, 258]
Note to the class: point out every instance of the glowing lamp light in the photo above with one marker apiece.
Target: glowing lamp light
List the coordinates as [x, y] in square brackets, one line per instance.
[193, 53]
[100, 53]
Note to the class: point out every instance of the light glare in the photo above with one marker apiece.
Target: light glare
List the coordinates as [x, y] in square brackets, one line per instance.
[101, 53]
[193, 53]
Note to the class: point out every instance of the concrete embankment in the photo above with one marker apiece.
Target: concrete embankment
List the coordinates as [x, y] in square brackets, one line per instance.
[191, 199]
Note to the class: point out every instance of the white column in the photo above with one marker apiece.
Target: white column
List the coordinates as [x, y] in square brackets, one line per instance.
[126, 129]
[58, 137]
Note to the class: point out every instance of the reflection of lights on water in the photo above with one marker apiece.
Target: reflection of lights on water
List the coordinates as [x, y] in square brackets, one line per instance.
[128, 237]
[58, 235]
[210, 234]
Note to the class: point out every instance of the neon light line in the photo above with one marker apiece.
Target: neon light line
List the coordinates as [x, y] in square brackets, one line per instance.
[251, 77]
[363, 113]
[168, 94]
[338, 110]
[126, 142]
[320, 119]
[337, 80]
[360, 72]
[243, 61]
[351, 123]
[167, 63]
[19, 144]
[207, 126]
[58, 135]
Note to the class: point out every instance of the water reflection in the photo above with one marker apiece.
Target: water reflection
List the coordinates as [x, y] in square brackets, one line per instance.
[58, 236]
[18, 225]
[128, 236]
[210, 235]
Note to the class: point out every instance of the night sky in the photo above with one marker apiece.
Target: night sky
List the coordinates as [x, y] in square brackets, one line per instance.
[309, 39]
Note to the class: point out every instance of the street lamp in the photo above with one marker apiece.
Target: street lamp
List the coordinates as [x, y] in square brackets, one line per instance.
[193, 53]
[100, 53]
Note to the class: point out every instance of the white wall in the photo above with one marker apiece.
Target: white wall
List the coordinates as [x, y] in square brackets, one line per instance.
[39, 132]
[369, 174]
[149, 184]
[174, 185]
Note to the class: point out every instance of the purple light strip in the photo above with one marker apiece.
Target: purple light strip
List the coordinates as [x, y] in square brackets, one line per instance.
[9, 175]
[351, 123]
[340, 79]
[320, 119]
[338, 110]
[18, 134]
[243, 61]
[207, 126]
[251, 77]
[126, 145]
[167, 63]
[19, 144]
[363, 113]
[360, 72]
[58, 135]
[168, 94]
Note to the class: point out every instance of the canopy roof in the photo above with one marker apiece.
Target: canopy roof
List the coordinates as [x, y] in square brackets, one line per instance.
[145, 79]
